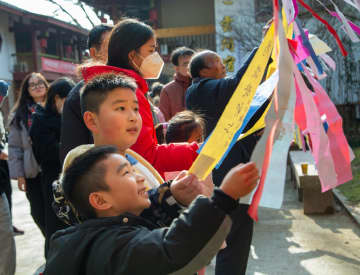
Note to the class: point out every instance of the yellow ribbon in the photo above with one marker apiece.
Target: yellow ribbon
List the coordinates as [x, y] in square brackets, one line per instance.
[235, 111]
[260, 124]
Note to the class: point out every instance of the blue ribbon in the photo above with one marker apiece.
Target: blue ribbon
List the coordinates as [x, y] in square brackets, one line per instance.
[306, 43]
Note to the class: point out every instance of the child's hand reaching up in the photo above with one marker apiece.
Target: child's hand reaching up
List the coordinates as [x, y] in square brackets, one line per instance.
[240, 180]
[186, 187]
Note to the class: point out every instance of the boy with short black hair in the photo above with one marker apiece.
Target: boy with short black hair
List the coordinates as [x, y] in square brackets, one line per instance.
[110, 111]
[114, 239]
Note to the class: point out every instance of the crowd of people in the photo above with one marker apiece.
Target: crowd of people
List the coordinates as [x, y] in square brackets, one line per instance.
[104, 162]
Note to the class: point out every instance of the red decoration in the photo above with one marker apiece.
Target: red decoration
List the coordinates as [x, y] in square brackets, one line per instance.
[153, 15]
[68, 50]
[43, 43]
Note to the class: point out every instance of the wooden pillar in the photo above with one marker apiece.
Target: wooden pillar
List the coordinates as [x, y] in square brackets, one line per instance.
[59, 44]
[114, 12]
[35, 50]
[79, 49]
[159, 11]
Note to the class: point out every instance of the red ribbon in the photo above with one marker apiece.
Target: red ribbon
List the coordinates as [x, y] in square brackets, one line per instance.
[331, 29]
[276, 16]
[253, 209]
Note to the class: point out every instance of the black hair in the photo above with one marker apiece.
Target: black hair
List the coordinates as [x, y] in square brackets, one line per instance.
[197, 63]
[96, 35]
[181, 126]
[180, 52]
[61, 87]
[126, 36]
[156, 89]
[159, 130]
[21, 107]
[84, 176]
[95, 92]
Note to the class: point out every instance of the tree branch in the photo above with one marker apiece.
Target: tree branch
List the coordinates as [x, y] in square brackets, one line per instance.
[64, 10]
[81, 4]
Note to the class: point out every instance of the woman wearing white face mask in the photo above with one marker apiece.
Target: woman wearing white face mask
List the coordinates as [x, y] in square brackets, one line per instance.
[132, 52]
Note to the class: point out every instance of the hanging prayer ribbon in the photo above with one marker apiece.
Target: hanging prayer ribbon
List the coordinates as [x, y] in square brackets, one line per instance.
[356, 28]
[276, 15]
[263, 93]
[331, 30]
[319, 46]
[318, 140]
[350, 32]
[339, 147]
[289, 10]
[329, 61]
[306, 43]
[296, 8]
[275, 53]
[235, 111]
[354, 3]
[278, 132]
[349, 26]
[265, 90]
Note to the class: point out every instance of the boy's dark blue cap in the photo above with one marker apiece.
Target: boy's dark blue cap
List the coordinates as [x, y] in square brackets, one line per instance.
[3, 88]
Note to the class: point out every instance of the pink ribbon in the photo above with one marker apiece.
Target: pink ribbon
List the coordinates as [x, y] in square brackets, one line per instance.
[319, 139]
[339, 146]
[329, 61]
[352, 25]
[296, 8]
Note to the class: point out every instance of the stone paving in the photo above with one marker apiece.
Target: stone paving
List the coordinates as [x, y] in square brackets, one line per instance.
[29, 247]
[289, 242]
[285, 241]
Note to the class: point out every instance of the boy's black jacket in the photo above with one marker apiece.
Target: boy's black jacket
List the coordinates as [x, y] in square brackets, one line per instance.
[129, 244]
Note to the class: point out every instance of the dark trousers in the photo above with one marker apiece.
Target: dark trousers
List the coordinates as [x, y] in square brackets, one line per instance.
[52, 222]
[34, 194]
[39, 194]
[5, 181]
[234, 257]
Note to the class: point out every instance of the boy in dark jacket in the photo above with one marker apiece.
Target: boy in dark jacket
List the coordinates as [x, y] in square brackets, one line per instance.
[103, 187]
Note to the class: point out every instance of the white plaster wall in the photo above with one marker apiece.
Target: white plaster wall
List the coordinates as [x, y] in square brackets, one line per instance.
[7, 49]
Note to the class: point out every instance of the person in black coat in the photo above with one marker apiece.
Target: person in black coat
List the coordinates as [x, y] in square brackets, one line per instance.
[208, 96]
[73, 129]
[45, 136]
